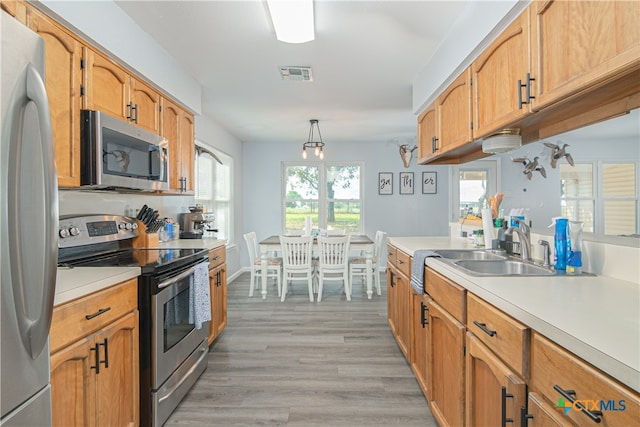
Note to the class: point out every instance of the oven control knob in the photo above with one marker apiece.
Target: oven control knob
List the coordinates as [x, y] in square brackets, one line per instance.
[63, 233]
[74, 231]
[134, 226]
[122, 226]
[128, 226]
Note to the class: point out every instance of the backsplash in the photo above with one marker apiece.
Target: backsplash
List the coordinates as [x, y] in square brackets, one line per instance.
[106, 202]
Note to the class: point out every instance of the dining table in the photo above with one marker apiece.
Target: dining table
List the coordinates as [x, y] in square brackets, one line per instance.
[358, 242]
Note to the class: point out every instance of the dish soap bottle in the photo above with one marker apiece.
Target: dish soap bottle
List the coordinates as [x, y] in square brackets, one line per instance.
[574, 262]
[560, 244]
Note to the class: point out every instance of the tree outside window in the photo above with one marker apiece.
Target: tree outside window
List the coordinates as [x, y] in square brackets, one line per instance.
[329, 193]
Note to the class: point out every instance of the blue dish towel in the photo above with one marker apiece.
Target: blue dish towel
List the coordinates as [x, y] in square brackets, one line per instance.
[199, 296]
[417, 268]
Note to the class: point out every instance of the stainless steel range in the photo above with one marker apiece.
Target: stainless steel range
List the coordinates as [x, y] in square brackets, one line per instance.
[173, 353]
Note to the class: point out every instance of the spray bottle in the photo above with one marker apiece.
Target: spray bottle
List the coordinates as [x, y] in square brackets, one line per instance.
[574, 262]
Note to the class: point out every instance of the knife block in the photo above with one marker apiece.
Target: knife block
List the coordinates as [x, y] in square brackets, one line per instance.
[144, 239]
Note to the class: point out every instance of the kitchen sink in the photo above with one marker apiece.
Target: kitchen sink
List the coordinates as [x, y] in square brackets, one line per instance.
[471, 254]
[504, 267]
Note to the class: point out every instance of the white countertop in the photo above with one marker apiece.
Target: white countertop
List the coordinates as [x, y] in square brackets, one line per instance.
[77, 282]
[597, 318]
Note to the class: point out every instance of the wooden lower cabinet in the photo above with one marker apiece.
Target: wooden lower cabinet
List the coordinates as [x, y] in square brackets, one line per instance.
[419, 347]
[94, 359]
[400, 308]
[494, 392]
[446, 345]
[94, 381]
[218, 292]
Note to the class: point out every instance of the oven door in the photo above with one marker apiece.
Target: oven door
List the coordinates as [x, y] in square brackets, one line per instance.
[173, 338]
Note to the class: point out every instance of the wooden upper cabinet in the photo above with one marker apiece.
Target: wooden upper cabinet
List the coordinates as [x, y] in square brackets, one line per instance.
[500, 77]
[145, 102]
[454, 113]
[15, 8]
[63, 80]
[427, 134]
[178, 128]
[106, 86]
[579, 44]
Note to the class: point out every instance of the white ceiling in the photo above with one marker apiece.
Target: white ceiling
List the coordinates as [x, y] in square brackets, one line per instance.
[364, 58]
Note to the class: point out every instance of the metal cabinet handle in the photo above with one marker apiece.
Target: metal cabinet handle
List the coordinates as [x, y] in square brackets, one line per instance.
[484, 328]
[97, 313]
[503, 419]
[423, 314]
[136, 119]
[570, 396]
[105, 344]
[97, 358]
[399, 261]
[527, 86]
[524, 417]
[130, 115]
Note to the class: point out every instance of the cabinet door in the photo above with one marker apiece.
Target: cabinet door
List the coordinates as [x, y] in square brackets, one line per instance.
[15, 8]
[446, 346]
[392, 274]
[419, 350]
[578, 44]
[170, 130]
[63, 54]
[496, 75]
[220, 305]
[106, 86]
[146, 105]
[187, 150]
[117, 391]
[454, 113]
[541, 414]
[73, 385]
[427, 134]
[495, 393]
[403, 314]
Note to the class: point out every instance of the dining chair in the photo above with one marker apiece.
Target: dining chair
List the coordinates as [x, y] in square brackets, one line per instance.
[358, 264]
[333, 262]
[274, 264]
[297, 262]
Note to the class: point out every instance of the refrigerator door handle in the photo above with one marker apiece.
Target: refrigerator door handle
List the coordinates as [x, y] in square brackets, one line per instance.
[35, 332]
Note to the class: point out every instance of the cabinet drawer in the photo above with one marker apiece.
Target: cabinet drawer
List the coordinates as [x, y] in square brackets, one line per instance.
[217, 256]
[81, 317]
[403, 263]
[552, 365]
[448, 294]
[506, 337]
[391, 254]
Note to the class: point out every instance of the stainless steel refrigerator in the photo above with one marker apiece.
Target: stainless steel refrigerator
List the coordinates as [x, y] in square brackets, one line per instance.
[28, 228]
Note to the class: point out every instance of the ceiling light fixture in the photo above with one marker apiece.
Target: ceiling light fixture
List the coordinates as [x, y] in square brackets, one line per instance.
[292, 20]
[317, 146]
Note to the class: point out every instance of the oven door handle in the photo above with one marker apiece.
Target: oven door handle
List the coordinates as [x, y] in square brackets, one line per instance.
[175, 278]
[185, 376]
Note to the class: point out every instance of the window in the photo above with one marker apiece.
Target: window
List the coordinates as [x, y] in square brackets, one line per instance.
[472, 183]
[603, 195]
[213, 188]
[329, 193]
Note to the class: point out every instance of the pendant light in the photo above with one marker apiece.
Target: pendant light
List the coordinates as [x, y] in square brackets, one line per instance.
[317, 146]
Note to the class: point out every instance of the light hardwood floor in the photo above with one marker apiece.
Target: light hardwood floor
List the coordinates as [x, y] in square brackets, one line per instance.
[297, 363]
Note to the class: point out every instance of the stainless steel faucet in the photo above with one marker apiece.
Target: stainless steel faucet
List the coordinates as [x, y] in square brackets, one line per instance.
[523, 233]
[547, 253]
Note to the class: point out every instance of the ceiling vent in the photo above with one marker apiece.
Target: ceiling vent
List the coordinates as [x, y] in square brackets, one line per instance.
[301, 74]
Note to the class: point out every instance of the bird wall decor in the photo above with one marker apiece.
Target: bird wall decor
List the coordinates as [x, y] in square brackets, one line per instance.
[557, 153]
[530, 166]
[406, 154]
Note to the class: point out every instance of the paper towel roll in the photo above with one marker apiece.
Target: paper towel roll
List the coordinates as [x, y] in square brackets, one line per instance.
[487, 227]
[307, 226]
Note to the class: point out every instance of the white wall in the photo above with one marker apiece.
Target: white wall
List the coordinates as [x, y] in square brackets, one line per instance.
[399, 215]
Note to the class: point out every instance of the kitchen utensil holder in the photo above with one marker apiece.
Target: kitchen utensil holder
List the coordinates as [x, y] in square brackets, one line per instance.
[144, 239]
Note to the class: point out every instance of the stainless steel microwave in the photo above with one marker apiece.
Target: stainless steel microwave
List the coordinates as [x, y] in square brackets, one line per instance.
[115, 154]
